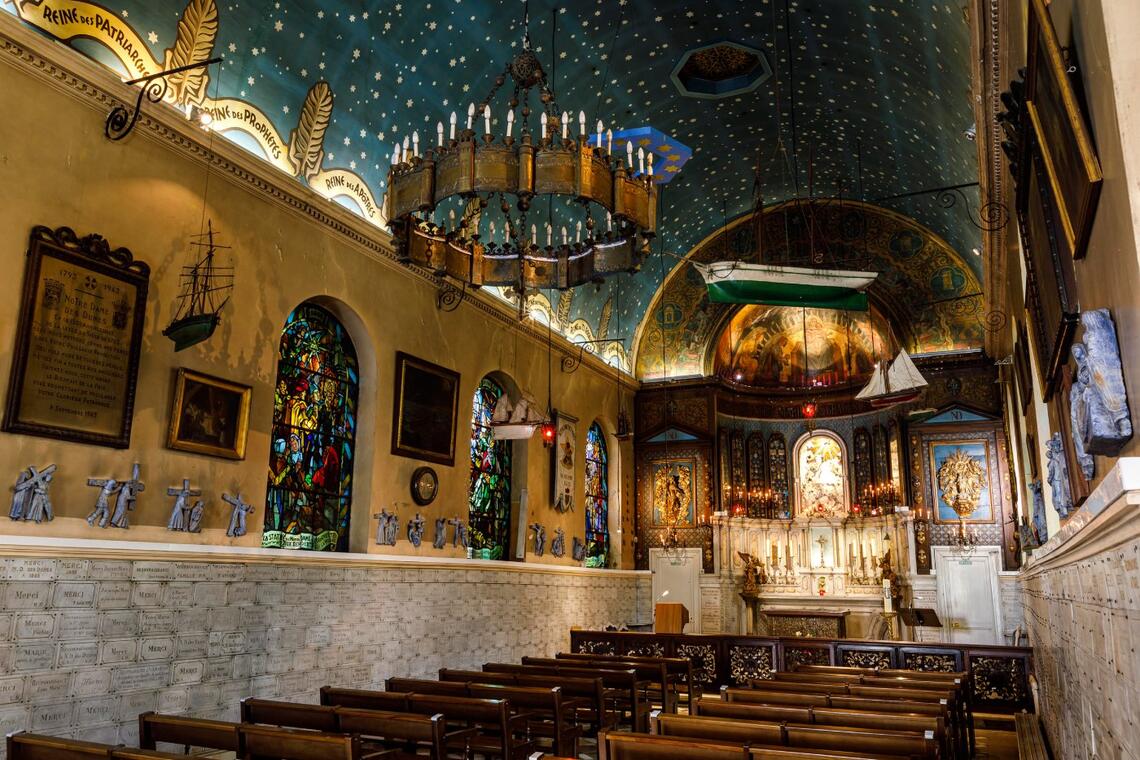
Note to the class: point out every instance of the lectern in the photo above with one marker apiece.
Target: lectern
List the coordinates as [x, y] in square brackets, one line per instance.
[670, 618]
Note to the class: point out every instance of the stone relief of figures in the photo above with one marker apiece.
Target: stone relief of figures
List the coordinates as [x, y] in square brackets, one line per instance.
[388, 528]
[558, 544]
[129, 491]
[459, 538]
[1098, 401]
[440, 533]
[539, 547]
[101, 514]
[416, 530]
[578, 550]
[32, 499]
[1058, 475]
[237, 515]
[1040, 526]
[754, 573]
[184, 517]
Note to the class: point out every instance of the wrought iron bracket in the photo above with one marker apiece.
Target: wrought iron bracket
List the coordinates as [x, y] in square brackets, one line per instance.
[448, 297]
[570, 362]
[991, 216]
[121, 120]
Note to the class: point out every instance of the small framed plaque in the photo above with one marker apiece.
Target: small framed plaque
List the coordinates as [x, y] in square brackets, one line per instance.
[426, 405]
[78, 339]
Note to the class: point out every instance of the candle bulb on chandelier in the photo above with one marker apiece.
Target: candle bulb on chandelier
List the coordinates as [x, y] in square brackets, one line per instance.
[609, 222]
[578, 233]
[510, 122]
[629, 154]
[396, 155]
[533, 235]
[439, 134]
[549, 234]
[416, 144]
[609, 141]
[565, 238]
[470, 116]
[487, 120]
[543, 122]
[650, 160]
[599, 134]
[453, 125]
[565, 125]
[582, 124]
[641, 160]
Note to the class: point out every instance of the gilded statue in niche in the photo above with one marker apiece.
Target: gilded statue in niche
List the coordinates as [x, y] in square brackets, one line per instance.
[821, 477]
[754, 574]
[673, 502]
[960, 481]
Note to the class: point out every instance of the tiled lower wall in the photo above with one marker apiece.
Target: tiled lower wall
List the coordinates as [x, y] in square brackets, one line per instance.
[1082, 610]
[87, 644]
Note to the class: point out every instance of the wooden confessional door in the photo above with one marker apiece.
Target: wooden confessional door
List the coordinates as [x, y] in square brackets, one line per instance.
[968, 595]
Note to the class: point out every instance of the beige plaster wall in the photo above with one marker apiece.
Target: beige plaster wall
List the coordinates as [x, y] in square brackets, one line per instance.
[146, 194]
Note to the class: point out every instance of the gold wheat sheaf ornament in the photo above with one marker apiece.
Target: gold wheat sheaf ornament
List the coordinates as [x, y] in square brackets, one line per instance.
[307, 141]
[194, 43]
[961, 480]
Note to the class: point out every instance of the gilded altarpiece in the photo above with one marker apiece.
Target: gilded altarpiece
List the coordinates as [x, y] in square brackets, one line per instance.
[657, 489]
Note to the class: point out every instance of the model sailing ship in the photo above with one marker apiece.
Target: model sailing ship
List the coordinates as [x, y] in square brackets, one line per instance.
[205, 291]
[898, 383]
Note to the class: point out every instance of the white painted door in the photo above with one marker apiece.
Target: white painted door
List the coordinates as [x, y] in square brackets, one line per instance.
[967, 590]
[676, 579]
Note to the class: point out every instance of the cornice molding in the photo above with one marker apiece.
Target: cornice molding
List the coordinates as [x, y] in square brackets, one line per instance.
[69, 72]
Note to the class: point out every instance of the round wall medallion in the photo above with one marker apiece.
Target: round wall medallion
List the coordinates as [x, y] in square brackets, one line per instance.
[425, 485]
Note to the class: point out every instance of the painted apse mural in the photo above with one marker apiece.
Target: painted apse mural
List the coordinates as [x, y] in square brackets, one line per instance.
[925, 292]
[324, 92]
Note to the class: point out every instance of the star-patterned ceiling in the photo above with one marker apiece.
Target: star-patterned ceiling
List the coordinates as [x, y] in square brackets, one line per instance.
[867, 98]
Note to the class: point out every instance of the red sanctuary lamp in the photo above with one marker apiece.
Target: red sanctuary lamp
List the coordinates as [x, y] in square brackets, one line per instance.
[807, 410]
[548, 433]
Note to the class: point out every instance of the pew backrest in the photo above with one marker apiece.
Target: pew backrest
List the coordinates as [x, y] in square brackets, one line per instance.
[289, 714]
[27, 746]
[395, 701]
[188, 732]
[270, 742]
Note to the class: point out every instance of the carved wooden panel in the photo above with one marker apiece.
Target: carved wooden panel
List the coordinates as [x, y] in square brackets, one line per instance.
[938, 662]
[778, 469]
[703, 657]
[594, 646]
[864, 658]
[653, 648]
[805, 655]
[748, 662]
[998, 679]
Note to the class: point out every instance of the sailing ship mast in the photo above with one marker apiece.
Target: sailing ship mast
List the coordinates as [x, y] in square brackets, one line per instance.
[900, 381]
[199, 310]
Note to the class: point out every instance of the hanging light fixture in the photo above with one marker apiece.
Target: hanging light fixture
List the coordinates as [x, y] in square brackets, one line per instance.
[964, 542]
[617, 194]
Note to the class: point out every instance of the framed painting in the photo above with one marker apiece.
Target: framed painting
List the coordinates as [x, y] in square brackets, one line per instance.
[674, 492]
[1050, 297]
[209, 415]
[1022, 376]
[1079, 486]
[425, 408]
[1070, 161]
[78, 339]
[563, 456]
[960, 479]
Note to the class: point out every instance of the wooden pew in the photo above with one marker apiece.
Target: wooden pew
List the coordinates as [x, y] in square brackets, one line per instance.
[188, 732]
[678, 669]
[586, 696]
[274, 743]
[630, 746]
[492, 716]
[234, 737]
[624, 686]
[1030, 742]
[901, 743]
[552, 717]
[28, 746]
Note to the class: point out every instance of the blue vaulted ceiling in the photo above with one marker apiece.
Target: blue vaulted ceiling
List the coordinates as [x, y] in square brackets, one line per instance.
[884, 80]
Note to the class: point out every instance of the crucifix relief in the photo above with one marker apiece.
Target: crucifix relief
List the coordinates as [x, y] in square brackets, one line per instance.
[822, 541]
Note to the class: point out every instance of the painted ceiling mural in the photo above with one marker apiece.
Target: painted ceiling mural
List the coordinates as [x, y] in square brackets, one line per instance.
[875, 93]
[765, 346]
[925, 292]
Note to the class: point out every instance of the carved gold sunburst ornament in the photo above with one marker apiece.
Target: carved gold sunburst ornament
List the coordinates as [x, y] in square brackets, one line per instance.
[960, 481]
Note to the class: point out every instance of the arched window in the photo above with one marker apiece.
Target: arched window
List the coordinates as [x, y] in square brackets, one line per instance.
[597, 498]
[309, 494]
[489, 497]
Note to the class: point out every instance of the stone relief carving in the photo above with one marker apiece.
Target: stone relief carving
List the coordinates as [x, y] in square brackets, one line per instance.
[1058, 475]
[558, 544]
[388, 528]
[459, 537]
[1098, 399]
[108, 487]
[129, 491]
[1039, 523]
[578, 552]
[184, 517]
[32, 500]
[1079, 411]
[539, 546]
[416, 530]
[240, 510]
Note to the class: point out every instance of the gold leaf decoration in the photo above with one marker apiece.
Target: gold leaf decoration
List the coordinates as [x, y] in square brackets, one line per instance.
[307, 141]
[565, 299]
[197, 30]
[604, 322]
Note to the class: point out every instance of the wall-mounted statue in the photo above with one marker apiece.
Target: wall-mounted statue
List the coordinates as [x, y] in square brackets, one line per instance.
[32, 500]
[387, 530]
[578, 550]
[416, 530]
[237, 514]
[1058, 475]
[558, 544]
[440, 533]
[129, 491]
[1079, 410]
[1098, 400]
[539, 539]
[182, 515]
[1040, 526]
[108, 487]
[459, 537]
[754, 574]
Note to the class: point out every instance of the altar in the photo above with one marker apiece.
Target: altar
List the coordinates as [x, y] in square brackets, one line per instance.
[824, 624]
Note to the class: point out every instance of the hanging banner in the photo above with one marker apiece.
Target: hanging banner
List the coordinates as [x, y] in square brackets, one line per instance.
[332, 183]
[68, 19]
[231, 113]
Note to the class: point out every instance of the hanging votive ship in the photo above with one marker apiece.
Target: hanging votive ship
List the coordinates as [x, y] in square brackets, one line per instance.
[205, 290]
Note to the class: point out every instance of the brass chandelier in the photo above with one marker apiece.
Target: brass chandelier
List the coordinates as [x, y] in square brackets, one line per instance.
[614, 192]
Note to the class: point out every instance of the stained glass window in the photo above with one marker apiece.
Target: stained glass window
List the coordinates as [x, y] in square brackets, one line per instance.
[489, 496]
[597, 498]
[314, 428]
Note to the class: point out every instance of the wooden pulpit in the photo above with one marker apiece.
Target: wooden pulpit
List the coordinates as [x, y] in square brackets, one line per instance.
[670, 618]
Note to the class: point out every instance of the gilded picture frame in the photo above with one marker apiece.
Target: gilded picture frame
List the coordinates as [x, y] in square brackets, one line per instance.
[1071, 162]
[425, 409]
[937, 451]
[209, 415]
[78, 340]
[563, 458]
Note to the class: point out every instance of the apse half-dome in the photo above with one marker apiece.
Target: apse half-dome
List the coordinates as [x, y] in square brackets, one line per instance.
[763, 346]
